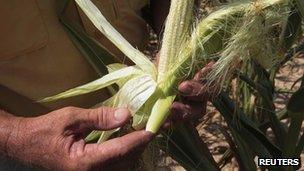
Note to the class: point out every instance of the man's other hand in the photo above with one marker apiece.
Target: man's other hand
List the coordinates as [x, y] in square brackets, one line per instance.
[194, 97]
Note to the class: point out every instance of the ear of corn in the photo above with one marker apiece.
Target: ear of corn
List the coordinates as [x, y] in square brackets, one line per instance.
[176, 33]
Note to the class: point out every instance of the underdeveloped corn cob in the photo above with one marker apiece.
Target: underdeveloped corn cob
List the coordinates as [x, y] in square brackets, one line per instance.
[176, 33]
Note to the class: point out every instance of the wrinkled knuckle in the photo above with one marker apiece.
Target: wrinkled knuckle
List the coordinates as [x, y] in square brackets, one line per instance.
[68, 114]
[105, 110]
[104, 116]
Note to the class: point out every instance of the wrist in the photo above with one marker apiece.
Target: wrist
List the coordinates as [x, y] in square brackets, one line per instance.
[8, 126]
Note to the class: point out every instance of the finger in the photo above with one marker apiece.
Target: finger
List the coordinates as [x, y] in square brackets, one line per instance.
[167, 125]
[189, 88]
[203, 72]
[121, 147]
[104, 118]
[190, 110]
[193, 90]
[179, 112]
[198, 109]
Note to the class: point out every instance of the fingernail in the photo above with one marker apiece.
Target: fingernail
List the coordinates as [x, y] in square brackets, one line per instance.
[186, 88]
[187, 109]
[149, 135]
[121, 114]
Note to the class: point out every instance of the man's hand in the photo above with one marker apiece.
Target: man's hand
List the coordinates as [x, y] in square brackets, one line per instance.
[56, 140]
[194, 97]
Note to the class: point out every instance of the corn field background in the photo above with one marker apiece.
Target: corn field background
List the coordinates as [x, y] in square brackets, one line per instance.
[256, 108]
[287, 81]
[208, 127]
[212, 125]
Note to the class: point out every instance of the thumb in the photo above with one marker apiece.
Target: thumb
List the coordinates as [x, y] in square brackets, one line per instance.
[106, 118]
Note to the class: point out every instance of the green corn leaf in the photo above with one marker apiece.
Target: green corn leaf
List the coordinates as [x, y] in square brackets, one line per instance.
[291, 30]
[101, 23]
[247, 137]
[300, 146]
[263, 89]
[295, 110]
[246, 155]
[184, 145]
[249, 129]
[300, 6]
[233, 150]
[103, 82]
[295, 104]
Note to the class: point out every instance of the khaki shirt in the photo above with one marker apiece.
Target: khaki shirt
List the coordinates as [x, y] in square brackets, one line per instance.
[37, 57]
